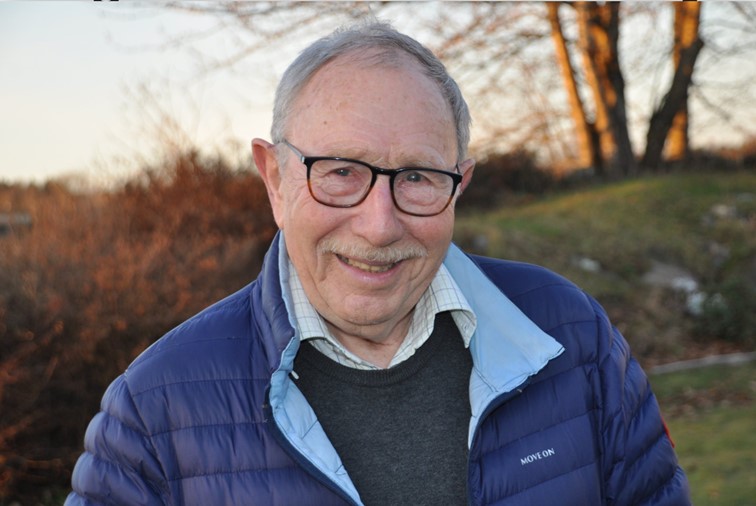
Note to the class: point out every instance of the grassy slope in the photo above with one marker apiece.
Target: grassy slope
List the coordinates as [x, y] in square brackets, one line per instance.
[625, 226]
[711, 413]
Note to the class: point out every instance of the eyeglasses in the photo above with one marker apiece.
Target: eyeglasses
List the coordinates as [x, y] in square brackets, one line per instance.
[344, 182]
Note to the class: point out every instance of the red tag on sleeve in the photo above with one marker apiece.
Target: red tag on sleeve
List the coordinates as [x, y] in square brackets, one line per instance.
[666, 430]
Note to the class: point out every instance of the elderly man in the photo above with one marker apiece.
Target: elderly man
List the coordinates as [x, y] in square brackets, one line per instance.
[373, 362]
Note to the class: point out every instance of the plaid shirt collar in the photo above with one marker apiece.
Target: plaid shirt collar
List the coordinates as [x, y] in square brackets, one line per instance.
[443, 294]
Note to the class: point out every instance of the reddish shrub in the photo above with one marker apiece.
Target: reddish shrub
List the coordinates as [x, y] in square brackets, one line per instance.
[95, 280]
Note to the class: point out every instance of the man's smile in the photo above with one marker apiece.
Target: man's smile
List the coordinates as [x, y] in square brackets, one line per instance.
[368, 267]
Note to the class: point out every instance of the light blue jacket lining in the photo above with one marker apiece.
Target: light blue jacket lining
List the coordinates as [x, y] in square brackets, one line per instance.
[507, 348]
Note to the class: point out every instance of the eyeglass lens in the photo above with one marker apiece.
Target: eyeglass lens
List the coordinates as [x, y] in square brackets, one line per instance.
[345, 183]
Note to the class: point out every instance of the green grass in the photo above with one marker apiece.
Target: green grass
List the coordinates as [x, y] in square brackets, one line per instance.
[625, 227]
[711, 413]
[619, 224]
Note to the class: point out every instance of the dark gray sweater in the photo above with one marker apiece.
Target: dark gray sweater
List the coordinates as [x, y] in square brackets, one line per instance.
[400, 432]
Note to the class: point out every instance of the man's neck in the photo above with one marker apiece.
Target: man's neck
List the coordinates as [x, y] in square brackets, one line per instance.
[376, 344]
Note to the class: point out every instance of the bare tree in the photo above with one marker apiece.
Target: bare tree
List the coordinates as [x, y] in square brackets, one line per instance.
[585, 131]
[599, 35]
[686, 27]
[503, 54]
[669, 122]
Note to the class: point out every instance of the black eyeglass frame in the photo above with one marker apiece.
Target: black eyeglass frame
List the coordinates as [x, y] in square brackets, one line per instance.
[308, 161]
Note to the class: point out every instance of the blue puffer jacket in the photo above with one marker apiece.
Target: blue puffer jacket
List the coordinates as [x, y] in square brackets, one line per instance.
[208, 415]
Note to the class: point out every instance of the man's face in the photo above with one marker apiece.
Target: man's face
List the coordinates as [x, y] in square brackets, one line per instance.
[347, 257]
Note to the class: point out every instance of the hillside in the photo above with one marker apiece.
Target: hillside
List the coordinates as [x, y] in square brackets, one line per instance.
[671, 257]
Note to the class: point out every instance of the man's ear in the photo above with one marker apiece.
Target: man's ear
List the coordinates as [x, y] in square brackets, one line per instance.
[266, 161]
[466, 168]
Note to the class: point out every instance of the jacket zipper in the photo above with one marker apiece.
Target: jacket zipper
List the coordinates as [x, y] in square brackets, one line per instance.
[493, 405]
[300, 459]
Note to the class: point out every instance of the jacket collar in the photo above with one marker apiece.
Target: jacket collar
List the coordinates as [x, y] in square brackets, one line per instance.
[507, 347]
[291, 411]
[271, 309]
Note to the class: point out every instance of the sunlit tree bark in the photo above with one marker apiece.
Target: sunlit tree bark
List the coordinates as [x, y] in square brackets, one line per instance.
[670, 120]
[588, 154]
[599, 33]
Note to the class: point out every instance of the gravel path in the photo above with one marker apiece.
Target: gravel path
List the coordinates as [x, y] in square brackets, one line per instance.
[731, 359]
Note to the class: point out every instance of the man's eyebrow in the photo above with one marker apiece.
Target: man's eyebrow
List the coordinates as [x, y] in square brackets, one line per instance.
[362, 155]
[425, 164]
[345, 152]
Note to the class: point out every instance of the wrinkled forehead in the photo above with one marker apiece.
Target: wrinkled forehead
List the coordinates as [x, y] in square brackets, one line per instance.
[375, 58]
[334, 78]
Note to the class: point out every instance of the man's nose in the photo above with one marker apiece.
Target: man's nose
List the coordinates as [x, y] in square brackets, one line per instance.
[378, 218]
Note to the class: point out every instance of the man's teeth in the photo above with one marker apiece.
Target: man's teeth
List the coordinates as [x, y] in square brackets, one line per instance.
[366, 267]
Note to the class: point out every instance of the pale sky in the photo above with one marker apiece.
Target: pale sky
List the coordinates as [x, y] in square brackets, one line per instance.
[70, 72]
[66, 68]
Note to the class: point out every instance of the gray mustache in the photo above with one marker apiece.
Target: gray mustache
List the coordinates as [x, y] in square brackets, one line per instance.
[389, 254]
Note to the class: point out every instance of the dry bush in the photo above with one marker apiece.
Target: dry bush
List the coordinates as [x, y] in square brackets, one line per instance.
[501, 175]
[98, 278]
[744, 155]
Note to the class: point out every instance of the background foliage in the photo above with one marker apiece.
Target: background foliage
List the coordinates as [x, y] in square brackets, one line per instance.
[95, 280]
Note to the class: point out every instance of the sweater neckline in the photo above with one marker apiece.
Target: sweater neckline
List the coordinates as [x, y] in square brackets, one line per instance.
[445, 333]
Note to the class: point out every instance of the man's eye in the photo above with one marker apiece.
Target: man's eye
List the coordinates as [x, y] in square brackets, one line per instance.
[415, 177]
[343, 171]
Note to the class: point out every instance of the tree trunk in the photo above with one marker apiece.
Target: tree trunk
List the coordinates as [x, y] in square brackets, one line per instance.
[589, 50]
[669, 122]
[686, 24]
[599, 33]
[588, 152]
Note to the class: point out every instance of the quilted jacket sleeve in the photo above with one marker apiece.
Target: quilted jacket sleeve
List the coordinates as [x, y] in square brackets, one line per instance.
[118, 465]
[639, 460]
